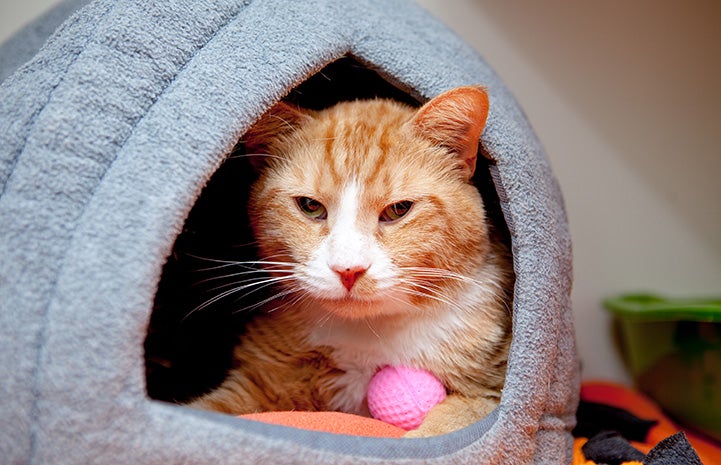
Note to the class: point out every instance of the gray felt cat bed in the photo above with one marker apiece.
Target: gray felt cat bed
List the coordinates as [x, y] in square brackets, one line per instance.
[109, 134]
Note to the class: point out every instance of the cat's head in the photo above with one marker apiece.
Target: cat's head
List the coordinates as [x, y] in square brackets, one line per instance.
[367, 208]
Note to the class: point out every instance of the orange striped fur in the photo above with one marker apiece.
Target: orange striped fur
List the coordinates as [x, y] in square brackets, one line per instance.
[361, 286]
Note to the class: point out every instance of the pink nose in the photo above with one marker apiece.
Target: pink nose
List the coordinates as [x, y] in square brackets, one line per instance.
[349, 275]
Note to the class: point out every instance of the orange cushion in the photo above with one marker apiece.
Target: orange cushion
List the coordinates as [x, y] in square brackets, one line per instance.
[331, 422]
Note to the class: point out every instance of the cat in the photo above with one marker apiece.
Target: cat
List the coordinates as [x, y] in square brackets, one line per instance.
[378, 245]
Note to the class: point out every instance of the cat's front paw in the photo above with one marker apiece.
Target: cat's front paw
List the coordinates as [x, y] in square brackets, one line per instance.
[422, 432]
[452, 414]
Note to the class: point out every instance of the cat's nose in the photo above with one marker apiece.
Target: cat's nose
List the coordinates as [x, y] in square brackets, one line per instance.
[349, 275]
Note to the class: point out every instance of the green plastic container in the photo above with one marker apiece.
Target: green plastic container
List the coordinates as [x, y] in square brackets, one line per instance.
[673, 349]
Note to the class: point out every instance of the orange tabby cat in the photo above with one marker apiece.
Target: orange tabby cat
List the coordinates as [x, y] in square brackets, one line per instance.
[369, 227]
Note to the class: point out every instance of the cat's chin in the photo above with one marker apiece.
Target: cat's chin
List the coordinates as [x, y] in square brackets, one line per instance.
[353, 308]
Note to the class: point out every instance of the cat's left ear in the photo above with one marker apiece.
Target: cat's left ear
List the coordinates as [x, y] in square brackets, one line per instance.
[281, 119]
[455, 120]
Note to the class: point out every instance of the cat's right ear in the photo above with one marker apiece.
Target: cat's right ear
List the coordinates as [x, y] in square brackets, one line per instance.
[455, 120]
[281, 119]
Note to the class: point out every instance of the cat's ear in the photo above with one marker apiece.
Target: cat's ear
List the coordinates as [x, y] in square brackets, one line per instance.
[455, 120]
[281, 119]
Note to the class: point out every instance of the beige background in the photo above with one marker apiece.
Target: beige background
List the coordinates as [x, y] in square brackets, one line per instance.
[626, 98]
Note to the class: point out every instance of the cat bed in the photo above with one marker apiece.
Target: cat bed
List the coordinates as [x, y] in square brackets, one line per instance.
[109, 134]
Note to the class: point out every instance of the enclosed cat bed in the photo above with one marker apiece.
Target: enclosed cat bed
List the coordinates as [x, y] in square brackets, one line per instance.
[110, 133]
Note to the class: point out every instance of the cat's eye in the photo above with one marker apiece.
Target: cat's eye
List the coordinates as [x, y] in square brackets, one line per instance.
[396, 211]
[311, 208]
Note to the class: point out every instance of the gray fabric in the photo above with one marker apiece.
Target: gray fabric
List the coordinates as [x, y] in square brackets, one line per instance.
[108, 135]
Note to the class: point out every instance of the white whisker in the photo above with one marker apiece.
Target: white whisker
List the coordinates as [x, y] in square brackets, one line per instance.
[269, 299]
[243, 273]
[261, 282]
[300, 295]
[325, 319]
[248, 155]
[431, 293]
[244, 264]
[373, 330]
[258, 280]
[424, 272]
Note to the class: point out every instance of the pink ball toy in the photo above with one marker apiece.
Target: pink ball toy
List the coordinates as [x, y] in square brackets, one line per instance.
[402, 396]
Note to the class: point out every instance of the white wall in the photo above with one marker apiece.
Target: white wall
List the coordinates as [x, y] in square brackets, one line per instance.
[626, 97]
[14, 14]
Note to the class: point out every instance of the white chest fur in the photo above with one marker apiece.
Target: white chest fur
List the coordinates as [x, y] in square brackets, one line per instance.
[360, 347]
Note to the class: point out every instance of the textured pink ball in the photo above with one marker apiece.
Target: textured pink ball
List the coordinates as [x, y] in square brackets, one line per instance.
[402, 396]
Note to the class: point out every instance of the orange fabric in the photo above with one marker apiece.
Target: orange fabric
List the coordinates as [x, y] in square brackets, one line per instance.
[629, 399]
[332, 422]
